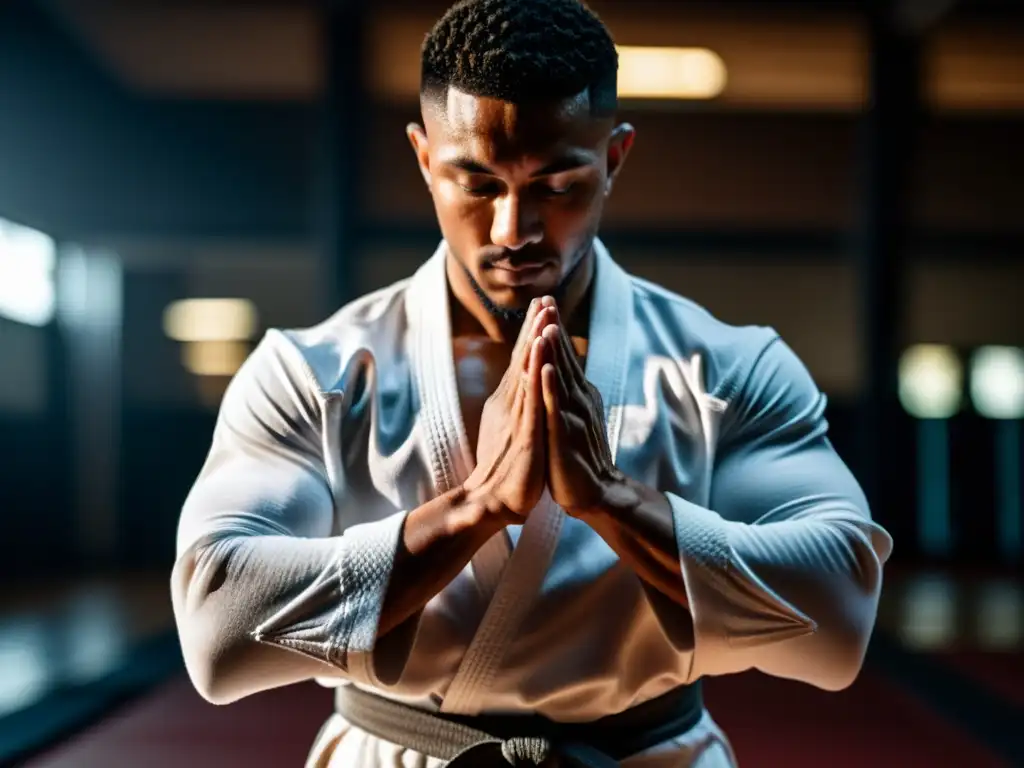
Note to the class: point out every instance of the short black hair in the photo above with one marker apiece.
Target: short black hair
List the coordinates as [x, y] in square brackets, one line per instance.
[522, 51]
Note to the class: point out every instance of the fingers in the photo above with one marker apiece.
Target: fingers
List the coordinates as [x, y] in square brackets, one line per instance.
[531, 315]
[570, 354]
[565, 353]
[563, 373]
[540, 316]
[564, 385]
[520, 360]
[521, 350]
[549, 379]
[533, 391]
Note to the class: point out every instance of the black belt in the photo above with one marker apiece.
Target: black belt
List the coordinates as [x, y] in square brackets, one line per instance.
[486, 740]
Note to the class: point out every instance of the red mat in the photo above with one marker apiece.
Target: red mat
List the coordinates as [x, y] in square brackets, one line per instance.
[771, 722]
[873, 724]
[174, 728]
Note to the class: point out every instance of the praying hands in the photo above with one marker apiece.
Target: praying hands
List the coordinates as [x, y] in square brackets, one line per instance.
[544, 425]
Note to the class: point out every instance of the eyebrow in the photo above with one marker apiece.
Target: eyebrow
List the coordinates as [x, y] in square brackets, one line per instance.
[569, 162]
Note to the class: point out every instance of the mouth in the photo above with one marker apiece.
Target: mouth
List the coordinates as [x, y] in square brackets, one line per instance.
[518, 274]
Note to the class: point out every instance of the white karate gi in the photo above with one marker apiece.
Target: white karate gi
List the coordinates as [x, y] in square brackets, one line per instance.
[328, 435]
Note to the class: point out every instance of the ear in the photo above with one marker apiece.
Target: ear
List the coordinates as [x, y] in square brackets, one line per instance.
[619, 144]
[418, 139]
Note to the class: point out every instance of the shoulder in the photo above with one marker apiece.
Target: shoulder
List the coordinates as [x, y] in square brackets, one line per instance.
[285, 379]
[326, 354]
[677, 326]
[751, 369]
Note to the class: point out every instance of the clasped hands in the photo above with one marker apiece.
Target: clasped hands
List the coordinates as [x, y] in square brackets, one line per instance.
[543, 427]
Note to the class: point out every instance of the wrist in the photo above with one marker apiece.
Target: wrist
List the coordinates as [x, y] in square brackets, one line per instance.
[614, 493]
[483, 507]
[618, 496]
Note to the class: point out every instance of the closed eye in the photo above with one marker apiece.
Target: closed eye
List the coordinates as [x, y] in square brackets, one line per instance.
[480, 186]
[557, 190]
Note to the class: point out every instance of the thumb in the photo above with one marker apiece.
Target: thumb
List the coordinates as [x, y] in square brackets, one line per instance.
[533, 411]
[550, 389]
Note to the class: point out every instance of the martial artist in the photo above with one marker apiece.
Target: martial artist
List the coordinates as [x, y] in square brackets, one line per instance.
[516, 506]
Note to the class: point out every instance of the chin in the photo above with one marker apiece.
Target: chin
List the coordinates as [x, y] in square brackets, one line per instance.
[519, 297]
[512, 300]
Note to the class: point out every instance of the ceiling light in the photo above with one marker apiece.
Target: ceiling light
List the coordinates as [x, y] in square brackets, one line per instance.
[670, 73]
[930, 381]
[210, 320]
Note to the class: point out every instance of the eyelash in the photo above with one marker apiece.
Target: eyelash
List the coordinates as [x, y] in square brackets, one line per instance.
[488, 189]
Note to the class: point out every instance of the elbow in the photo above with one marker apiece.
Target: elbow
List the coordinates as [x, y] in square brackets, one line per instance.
[203, 642]
[846, 620]
[209, 684]
[842, 648]
[206, 674]
[840, 671]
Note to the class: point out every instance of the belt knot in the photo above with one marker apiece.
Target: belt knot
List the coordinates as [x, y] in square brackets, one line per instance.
[526, 751]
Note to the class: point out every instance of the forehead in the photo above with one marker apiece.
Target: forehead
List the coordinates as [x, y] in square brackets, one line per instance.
[502, 132]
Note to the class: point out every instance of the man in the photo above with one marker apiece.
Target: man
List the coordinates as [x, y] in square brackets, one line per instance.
[515, 507]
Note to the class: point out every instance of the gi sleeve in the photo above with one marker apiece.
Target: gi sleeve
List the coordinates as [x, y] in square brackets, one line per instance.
[784, 571]
[263, 594]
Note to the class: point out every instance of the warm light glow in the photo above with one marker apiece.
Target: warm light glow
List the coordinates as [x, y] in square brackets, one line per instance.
[670, 73]
[931, 381]
[27, 286]
[210, 320]
[997, 382]
[214, 358]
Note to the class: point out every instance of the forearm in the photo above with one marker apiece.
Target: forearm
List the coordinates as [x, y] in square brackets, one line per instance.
[259, 611]
[636, 522]
[438, 541]
[222, 589]
[795, 599]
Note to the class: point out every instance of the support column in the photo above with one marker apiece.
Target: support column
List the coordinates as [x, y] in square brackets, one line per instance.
[891, 129]
[90, 292]
[341, 147]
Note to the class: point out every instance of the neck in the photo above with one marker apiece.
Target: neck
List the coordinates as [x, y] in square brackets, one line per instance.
[470, 317]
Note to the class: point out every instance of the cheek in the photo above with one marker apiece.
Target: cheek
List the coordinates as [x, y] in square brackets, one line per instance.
[575, 217]
[462, 219]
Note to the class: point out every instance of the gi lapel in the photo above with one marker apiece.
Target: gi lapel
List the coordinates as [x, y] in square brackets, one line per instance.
[451, 459]
[608, 348]
[523, 577]
[431, 360]
[581, 554]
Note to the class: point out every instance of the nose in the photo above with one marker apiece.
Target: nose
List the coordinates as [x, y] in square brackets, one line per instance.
[515, 224]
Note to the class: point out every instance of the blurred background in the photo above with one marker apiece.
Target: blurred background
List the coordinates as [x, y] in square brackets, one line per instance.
[177, 177]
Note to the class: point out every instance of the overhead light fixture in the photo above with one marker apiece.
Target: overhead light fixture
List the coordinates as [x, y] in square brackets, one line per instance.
[997, 392]
[931, 389]
[670, 73]
[997, 382]
[931, 381]
[194, 320]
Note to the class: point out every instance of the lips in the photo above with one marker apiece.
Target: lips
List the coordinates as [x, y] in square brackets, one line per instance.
[522, 273]
[519, 266]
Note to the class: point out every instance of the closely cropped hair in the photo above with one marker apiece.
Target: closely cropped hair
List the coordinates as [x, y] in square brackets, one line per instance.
[522, 51]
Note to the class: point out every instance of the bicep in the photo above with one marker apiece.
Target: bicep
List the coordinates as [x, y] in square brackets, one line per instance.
[264, 474]
[247, 497]
[781, 480]
[776, 461]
